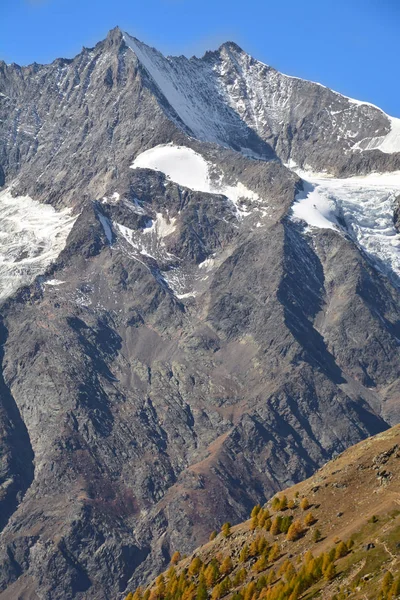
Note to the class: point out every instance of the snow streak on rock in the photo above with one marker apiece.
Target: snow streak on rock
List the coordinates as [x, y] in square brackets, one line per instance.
[362, 207]
[192, 91]
[32, 235]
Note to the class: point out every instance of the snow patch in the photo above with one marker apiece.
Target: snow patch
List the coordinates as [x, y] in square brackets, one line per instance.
[315, 207]
[32, 235]
[388, 143]
[161, 226]
[53, 282]
[188, 295]
[106, 224]
[207, 264]
[186, 167]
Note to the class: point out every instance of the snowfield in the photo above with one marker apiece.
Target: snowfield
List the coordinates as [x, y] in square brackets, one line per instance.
[389, 143]
[360, 206]
[32, 235]
[186, 167]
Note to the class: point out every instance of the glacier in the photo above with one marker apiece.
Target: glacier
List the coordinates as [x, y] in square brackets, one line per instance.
[362, 207]
[32, 235]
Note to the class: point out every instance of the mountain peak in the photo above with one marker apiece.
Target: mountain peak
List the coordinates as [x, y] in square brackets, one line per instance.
[232, 47]
[115, 36]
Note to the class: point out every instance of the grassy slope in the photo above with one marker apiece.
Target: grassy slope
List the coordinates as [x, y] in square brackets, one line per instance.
[354, 497]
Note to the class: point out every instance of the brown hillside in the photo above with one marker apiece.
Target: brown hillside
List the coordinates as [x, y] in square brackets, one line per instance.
[354, 508]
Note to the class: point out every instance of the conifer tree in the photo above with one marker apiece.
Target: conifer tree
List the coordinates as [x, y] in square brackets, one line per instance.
[226, 529]
[262, 543]
[308, 557]
[261, 564]
[268, 523]
[216, 593]
[138, 594]
[195, 566]
[146, 595]
[274, 552]
[283, 502]
[341, 550]
[394, 591]
[211, 573]
[304, 504]
[276, 525]
[332, 553]
[240, 577]
[175, 558]
[326, 561]
[316, 535]
[295, 531]
[249, 591]
[310, 519]
[226, 566]
[387, 582]
[202, 593]
[225, 586]
[330, 572]
[244, 554]
[286, 523]
[262, 517]
[275, 503]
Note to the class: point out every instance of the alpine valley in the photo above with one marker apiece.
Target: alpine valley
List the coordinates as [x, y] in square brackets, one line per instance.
[200, 303]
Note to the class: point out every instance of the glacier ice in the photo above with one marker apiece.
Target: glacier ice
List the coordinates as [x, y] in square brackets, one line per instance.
[32, 235]
[362, 206]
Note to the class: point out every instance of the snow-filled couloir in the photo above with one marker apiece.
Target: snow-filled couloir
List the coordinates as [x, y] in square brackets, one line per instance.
[360, 206]
[32, 235]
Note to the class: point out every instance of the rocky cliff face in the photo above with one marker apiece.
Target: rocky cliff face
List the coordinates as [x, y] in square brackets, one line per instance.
[193, 348]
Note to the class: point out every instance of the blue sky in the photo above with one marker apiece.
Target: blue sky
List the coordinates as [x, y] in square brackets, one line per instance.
[348, 45]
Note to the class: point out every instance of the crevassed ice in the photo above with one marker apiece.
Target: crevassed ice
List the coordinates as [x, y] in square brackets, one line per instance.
[363, 204]
[32, 235]
[186, 167]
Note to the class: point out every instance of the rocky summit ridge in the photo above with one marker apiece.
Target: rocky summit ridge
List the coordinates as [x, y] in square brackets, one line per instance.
[188, 325]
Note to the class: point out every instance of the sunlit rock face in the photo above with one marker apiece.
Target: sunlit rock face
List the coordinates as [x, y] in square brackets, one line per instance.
[187, 324]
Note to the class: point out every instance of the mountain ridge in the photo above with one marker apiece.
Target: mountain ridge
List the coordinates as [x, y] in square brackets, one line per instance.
[194, 347]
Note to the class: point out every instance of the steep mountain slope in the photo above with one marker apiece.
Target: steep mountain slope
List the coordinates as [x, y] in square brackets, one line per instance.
[303, 122]
[334, 535]
[184, 346]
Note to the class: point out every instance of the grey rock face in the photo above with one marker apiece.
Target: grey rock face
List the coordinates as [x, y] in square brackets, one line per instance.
[185, 356]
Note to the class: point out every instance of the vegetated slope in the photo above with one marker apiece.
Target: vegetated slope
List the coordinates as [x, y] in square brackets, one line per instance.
[194, 348]
[335, 535]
